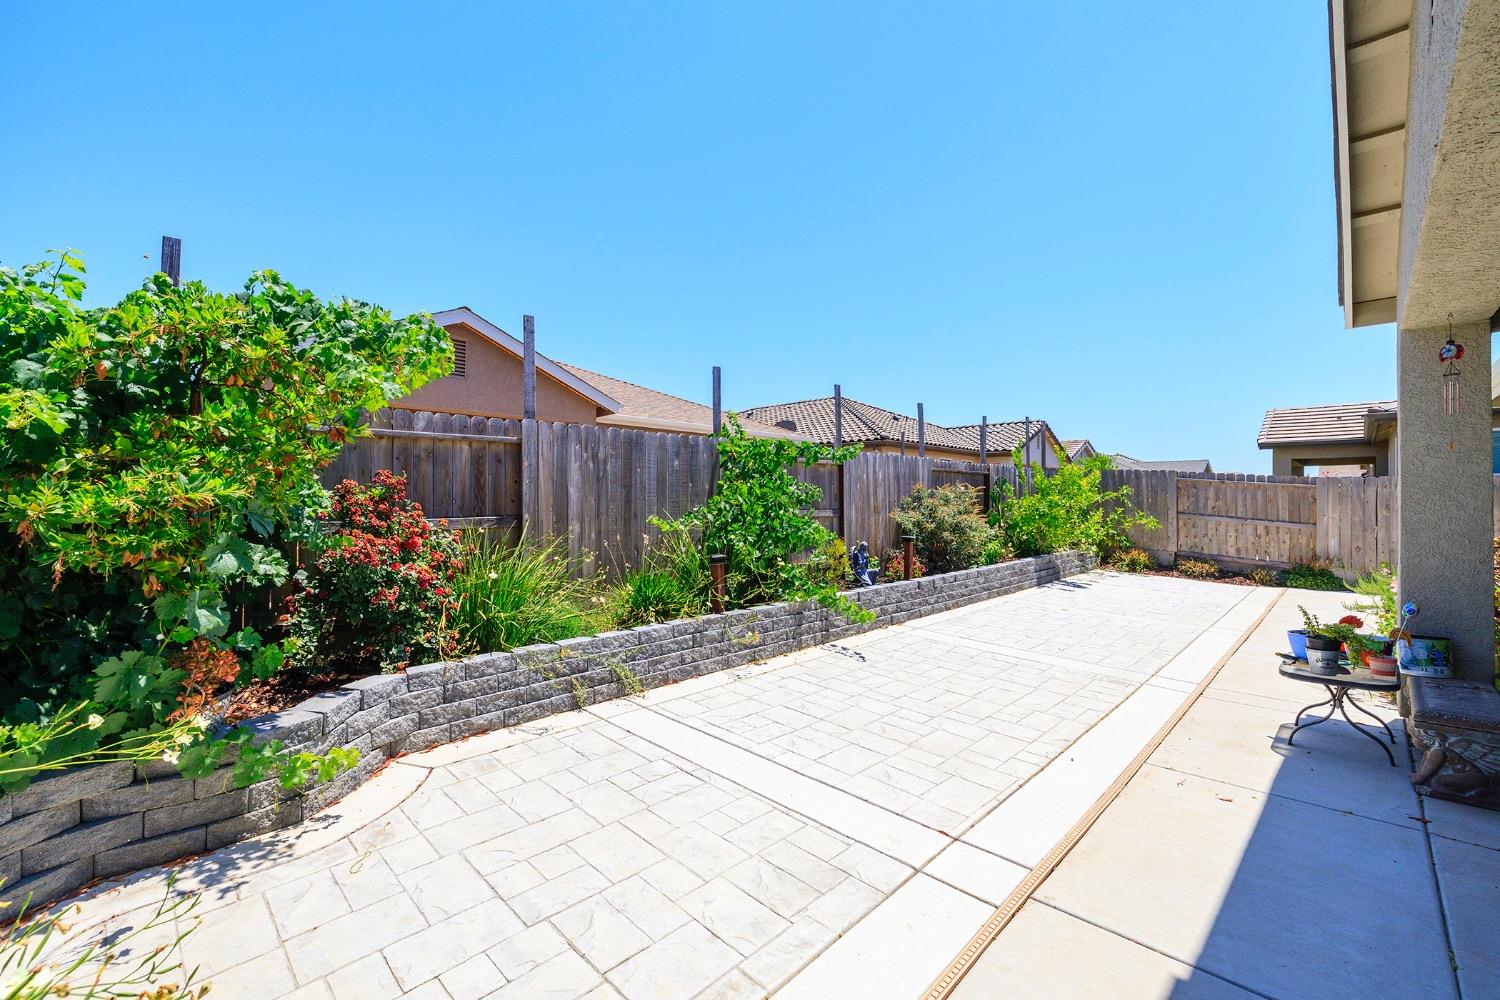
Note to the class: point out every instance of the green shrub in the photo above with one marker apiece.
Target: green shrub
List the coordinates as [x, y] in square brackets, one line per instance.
[379, 594]
[157, 452]
[996, 550]
[510, 596]
[1305, 577]
[1379, 589]
[1197, 569]
[674, 583]
[829, 565]
[1132, 561]
[1068, 509]
[758, 517]
[1263, 577]
[949, 528]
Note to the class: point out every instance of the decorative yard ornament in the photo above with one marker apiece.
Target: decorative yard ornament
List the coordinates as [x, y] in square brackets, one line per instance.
[1448, 356]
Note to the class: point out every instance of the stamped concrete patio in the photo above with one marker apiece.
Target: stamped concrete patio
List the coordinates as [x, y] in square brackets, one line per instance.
[837, 822]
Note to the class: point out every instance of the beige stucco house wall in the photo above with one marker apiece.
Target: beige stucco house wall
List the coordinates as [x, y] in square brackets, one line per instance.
[491, 386]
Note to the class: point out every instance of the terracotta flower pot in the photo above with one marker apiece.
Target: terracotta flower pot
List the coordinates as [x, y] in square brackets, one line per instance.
[1381, 666]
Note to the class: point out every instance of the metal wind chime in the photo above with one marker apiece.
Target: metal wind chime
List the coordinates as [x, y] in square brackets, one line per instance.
[1448, 356]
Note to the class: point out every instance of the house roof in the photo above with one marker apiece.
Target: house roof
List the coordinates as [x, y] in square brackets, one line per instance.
[865, 422]
[651, 409]
[1165, 465]
[625, 403]
[1075, 446]
[504, 341]
[1333, 423]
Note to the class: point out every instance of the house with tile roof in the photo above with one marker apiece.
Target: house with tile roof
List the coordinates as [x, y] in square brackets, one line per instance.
[487, 382]
[882, 430]
[1077, 449]
[1355, 437]
[1344, 438]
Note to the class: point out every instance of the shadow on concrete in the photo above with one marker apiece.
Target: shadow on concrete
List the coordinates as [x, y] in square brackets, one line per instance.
[1333, 894]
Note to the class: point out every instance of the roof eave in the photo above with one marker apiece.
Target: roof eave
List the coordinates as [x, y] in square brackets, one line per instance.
[468, 317]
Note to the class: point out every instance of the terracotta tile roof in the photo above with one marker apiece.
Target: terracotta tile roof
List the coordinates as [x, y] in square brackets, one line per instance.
[865, 422]
[1004, 436]
[640, 403]
[1075, 446]
[1165, 465]
[1335, 423]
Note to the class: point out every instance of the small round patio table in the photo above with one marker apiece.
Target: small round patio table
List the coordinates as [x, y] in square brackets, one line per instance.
[1338, 687]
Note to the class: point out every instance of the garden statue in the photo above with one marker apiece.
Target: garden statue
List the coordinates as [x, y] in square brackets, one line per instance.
[859, 562]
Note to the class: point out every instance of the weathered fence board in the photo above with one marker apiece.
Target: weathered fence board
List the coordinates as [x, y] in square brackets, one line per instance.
[597, 487]
[1346, 522]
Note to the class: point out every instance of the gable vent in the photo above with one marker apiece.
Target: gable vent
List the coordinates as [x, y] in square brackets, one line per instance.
[460, 357]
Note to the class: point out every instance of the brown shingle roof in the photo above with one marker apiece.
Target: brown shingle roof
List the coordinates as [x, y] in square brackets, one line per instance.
[637, 402]
[1335, 423]
[864, 422]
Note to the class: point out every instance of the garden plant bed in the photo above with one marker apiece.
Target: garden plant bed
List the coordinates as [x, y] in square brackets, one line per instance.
[78, 826]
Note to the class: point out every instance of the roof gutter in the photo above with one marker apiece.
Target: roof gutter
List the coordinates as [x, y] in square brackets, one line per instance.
[1339, 86]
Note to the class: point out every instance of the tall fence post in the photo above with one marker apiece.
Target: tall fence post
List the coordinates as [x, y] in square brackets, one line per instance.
[921, 432]
[531, 499]
[984, 440]
[171, 258]
[1026, 452]
[528, 360]
[718, 403]
[838, 416]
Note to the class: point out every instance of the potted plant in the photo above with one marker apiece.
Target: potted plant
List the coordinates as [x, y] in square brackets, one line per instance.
[1375, 653]
[1326, 642]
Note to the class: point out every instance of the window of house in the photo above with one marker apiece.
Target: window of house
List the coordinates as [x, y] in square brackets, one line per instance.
[460, 357]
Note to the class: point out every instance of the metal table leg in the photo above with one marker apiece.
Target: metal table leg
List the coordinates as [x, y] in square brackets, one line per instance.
[1298, 720]
[1360, 708]
[1339, 700]
[1332, 702]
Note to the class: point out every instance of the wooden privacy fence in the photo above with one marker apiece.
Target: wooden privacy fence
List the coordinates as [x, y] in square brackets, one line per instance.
[597, 487]
[1348, 522]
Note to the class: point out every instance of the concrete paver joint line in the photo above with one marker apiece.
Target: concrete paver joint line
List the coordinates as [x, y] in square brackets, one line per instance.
[943, 986]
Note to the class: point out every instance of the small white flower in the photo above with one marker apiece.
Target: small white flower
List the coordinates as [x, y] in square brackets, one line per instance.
[494, 575]
[200, 721]
[171, 756]
[183, 739]
[95, 721]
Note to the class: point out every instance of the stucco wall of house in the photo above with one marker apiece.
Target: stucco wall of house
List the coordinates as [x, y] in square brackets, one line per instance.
[1450, 224]
[492, 387]
[1446, 494]
[1290, 461]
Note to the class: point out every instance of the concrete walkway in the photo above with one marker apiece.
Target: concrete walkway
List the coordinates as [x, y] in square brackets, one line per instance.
[836, 822]
[1234, 866]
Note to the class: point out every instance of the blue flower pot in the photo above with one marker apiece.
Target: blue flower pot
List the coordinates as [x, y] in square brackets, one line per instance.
[1298, 638]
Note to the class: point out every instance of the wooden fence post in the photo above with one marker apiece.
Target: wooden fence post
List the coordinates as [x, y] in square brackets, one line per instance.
[921, 433]
[838, 416]
[984, 440]
[718, 404]
[530, 481]
[171, 258]
[528, 360]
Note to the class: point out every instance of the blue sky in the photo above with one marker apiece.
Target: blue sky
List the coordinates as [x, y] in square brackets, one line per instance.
[1117, 217]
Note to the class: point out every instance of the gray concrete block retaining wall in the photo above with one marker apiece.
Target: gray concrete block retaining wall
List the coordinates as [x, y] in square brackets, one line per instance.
[73, 827]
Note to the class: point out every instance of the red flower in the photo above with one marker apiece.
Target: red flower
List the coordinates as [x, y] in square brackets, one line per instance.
[1354, 620]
